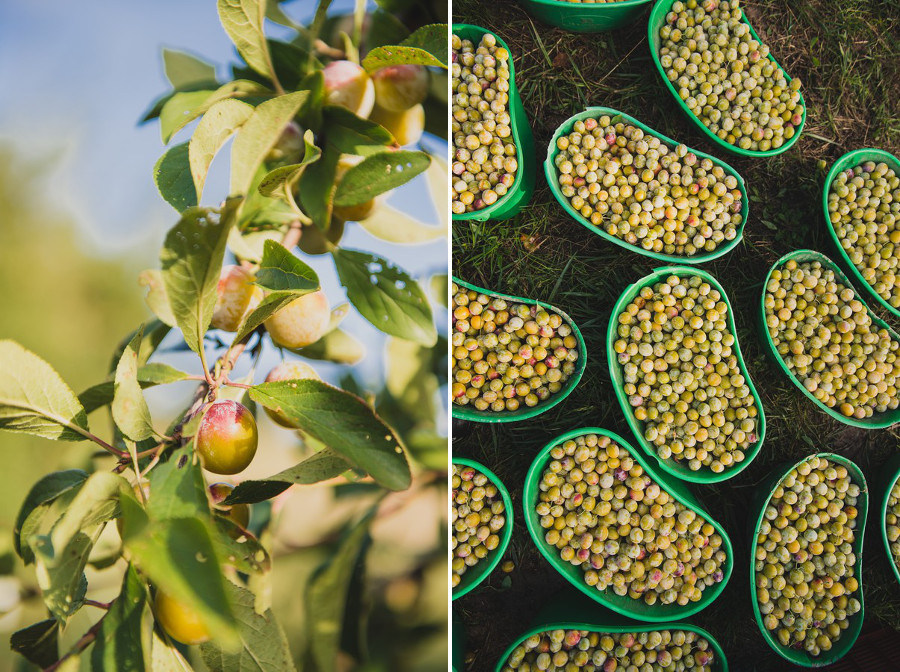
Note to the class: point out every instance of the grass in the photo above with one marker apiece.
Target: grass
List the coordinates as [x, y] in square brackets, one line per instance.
[849, 63]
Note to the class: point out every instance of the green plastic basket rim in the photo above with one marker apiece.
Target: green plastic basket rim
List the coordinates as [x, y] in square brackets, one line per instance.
[890, 474]
[671, 466]
[466, 31]
[624, 605]
[848, 636]
[879, 421]
[526, 412]
[721, 662]
[851, 160]
[657, 19]
[491, 561]
[550, 174]
[588, 7]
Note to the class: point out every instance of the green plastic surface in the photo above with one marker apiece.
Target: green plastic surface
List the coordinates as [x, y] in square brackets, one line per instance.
[594, 112]
[848, 636]
[475, 575]
[851, 160]
[522, 189]
[621, 604]
[585, 17]
[525, 412]
[889, 473]
[877, 421]
[602, 621]
[657, 20]
[678, 469]
[458, 645]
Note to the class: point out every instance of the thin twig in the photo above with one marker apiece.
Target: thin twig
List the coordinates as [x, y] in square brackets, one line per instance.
[80, 645]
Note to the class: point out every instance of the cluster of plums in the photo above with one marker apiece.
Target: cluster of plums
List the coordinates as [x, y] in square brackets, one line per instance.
[827, 339]
[506, 354]
[477, 517]
[864, 207]
[606, 515]
[484, 162]
[807, 584]
[644, 192]
[646, 651]
[681, 373]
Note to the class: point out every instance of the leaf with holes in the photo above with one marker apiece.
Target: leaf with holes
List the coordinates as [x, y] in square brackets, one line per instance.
[426, 46]
[386, 296]
[318, 467]
[377, 174]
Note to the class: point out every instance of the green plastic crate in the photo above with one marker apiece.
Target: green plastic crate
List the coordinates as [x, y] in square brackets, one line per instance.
[593, 112]
[522, 189]
[585, 17]
[671, 466]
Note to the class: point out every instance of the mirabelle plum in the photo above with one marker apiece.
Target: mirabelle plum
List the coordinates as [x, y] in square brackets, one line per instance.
[406, 127]
[290, 145]
[400, 87]
[348, 85]
[239, 514]
[289, 371]
[302, 322]
[236, 295]
[179, 621]
[227, 438]
[313, 241]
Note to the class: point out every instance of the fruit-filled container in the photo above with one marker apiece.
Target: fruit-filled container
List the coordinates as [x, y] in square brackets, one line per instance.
[566, 615]
[657, 21]
[475, 575]
[586, 17]
[876, 421]
[525, 412]
[622, 604]
[670, 465]
[889, 474]
[849, 161]
[764, 492]
[522, 188]
[594, 112]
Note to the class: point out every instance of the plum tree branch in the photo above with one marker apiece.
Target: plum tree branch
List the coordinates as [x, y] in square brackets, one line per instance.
[79, 646]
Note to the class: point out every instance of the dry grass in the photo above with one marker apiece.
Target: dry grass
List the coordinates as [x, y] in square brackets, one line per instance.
[848, 58]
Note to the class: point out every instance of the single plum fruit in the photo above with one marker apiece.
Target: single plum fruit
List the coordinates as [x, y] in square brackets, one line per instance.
[179, 621]
[227, 438]
[348, 85]
[400, 87]
[406, 126]
[236, 296]
[239, 514]
[302, 322]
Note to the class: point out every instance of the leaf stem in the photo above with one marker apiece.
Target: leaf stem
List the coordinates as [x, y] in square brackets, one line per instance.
[100, 442]
[231, 383]
[99, 605]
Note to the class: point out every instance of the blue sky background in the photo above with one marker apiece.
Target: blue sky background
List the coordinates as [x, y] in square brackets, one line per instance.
[75, 77]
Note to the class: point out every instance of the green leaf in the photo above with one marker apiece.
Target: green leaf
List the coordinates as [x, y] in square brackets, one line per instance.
[101, 394]
[157, 299]
[326, 595]
[283, 177]
[95, 503]
[267, 307]
[243, 21]
[172, 175]
[184, 70]
[165, 657]
[180, 110]
[35, 400]
[393, 225]
[440, 288]
[281, 271]
[341, 421]
[384, 28]
[263, 644]
[311, 115]
[63, 584]
[38, 643]
[259, 134]
[336, 346]
[129, 408]
[154, 333]
[217, 125]
[177, 489]
[42, 494]
[239, 549]
[352, 134]
[316, 187]
[178, 556]
[123, 643]
[426, 46]
[291, 63]
[158, 373]
[319, 467]
[379, 173]
[386, 296]
[191, 264]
